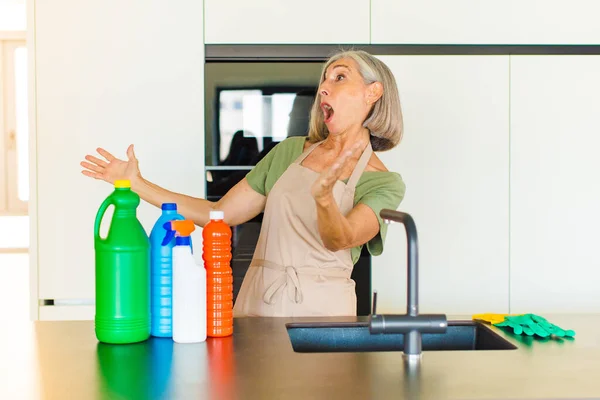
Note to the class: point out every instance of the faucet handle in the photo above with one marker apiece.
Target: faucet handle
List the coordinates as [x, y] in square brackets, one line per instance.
[423, 323]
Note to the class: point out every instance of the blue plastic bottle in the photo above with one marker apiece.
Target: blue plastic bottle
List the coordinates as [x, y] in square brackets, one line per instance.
[161, 266]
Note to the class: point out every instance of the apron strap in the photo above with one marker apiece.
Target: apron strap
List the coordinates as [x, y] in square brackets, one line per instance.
[306, 152]
[289, 279]
[360, 166]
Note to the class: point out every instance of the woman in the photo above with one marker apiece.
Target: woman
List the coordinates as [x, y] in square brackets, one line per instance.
[321, 195]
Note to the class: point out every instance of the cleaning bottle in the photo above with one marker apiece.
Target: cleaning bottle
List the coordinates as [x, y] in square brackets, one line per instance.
[216, 253]
[161, 273]
[122, 271]
[189, 287]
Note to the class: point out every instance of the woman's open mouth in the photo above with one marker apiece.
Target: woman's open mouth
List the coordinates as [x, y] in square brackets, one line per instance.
[327, 112]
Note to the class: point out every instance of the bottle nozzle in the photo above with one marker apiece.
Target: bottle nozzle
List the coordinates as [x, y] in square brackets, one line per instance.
[183, 227]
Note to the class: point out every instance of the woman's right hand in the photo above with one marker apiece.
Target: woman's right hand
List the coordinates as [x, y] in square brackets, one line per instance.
[113, 168]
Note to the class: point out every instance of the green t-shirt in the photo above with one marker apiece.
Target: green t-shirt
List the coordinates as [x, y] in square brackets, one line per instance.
[376, 189]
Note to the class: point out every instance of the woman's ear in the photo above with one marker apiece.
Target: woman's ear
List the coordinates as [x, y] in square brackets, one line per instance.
[374, 92]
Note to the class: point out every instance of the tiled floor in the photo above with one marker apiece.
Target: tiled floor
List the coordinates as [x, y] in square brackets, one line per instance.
[14, 286]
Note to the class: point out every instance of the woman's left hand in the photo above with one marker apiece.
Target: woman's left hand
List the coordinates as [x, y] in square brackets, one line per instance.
[322, 188]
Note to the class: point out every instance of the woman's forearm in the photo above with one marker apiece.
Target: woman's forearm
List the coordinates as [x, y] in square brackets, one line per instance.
[192, 208]
[334, 228]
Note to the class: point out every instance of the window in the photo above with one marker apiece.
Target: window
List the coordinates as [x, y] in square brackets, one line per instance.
[14, 171]
[14, 134]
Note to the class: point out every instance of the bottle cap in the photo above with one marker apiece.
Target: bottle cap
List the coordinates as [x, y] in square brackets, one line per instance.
[217, 215]
[122, 184]
[169, 206]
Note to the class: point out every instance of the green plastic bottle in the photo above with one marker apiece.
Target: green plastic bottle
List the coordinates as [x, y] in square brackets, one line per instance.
[122, 271]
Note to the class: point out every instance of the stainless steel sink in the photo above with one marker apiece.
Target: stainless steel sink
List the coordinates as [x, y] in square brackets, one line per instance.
[329, 337]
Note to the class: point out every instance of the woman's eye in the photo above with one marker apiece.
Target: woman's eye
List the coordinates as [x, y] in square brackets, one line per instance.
[339, 77]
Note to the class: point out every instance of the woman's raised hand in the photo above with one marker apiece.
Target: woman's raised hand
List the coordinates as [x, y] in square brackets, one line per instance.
[113, 168]
[322, 188]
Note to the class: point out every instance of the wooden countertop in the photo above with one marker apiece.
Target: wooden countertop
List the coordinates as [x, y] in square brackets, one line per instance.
[63, 360]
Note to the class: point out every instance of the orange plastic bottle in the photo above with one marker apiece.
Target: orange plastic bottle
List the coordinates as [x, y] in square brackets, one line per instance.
[216, 253]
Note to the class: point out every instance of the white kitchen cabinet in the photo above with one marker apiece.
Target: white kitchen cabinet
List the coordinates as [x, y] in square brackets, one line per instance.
[454, 160]
[286, 22]
[555, 194]
[107, 74]
[485, 22]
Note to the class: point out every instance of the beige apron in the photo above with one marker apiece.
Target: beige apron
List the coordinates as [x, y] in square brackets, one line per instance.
[292, 273]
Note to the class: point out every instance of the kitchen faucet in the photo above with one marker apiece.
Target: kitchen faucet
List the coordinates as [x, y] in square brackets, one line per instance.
[412, 325]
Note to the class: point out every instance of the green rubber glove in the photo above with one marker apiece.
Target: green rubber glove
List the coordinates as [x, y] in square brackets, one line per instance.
[532, 324]
[515, 323]
[551, 328]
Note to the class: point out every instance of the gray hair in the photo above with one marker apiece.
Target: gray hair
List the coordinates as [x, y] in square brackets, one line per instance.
[384, 121]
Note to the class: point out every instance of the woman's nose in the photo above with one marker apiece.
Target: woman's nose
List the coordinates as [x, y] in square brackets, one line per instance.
[324, 89]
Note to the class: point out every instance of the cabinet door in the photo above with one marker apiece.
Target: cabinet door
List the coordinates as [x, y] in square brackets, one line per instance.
[108, 74]
[555, 194]
[485, 22]
[277, 22]
[454, 161]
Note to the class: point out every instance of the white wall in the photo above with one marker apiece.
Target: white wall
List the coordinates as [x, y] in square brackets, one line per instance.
[502, 187]
[454, 160]
[108, 79]
[555, 190]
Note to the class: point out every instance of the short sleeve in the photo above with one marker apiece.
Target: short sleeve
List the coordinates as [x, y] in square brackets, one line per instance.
[257, 177]
[267, 171]
[385, 191]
